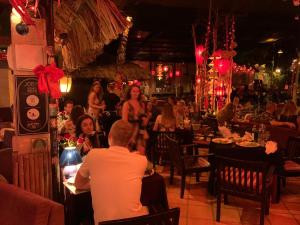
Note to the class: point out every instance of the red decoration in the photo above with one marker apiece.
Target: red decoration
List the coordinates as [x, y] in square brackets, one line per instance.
[296, 2]
[166, 68]
[177, 73]
[199, 54]
[153, 72]
[198, 80]
[20, 7]
[48, 77]
[171, 74]
[221, 62]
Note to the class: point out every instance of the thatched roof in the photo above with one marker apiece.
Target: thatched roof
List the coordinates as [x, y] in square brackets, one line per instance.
[127, 71]
[84, 27]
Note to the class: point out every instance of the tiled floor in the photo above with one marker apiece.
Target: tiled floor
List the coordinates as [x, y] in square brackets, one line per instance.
[199, 208]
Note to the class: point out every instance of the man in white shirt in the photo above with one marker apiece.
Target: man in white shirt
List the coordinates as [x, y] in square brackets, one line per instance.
[115, 177]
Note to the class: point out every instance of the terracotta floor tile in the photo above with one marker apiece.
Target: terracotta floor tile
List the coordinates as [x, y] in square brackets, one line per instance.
[282, 219]
[293, 206]
[291, 198]
[229, 215]
[200, 211]
[201, 200]
[297, 217]
[183, 220]
[198, 221]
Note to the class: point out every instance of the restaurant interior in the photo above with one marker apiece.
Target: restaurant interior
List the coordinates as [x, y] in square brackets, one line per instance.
[159, 112]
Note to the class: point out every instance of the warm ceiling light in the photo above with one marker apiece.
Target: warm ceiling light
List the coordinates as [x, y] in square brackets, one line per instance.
[65, 84]
[129, 18]
[15, 16]
[278, 70]
[269, 40]
[280, 51]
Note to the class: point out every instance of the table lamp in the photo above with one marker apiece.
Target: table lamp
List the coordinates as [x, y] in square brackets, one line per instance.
[69, 160]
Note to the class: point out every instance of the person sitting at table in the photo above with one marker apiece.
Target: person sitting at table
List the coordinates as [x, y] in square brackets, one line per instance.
[86, 131]
[268, 117]
[115, 177]
[70, 124]
[227, 113]
[63, 116]
[166, 121]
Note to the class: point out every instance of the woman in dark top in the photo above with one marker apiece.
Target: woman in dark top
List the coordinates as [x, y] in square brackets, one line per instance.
[133, 111]
[86, 131]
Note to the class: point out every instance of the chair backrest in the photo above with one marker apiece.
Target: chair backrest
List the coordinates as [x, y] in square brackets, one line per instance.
[241, 177]
[161, 144]
[281, 135]
[169, 217]
[293, 149]
[212, 122]
[175, 153]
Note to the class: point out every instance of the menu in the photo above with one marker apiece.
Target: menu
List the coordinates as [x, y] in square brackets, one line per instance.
[32, 107]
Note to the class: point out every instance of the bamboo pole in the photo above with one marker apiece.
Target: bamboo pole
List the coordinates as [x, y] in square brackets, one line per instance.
[36, 174]
[41, 173]
[46, 174]
[26, 172]
[21, 171]
[15, 169]
[31, 170]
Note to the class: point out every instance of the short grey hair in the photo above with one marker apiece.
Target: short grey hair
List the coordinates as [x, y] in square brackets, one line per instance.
[120, 133]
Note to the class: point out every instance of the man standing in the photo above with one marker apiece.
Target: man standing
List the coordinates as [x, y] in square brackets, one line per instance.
[115, 177]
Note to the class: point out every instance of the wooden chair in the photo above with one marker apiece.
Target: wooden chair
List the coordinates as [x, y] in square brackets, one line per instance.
[291, 166]
[246, 179]
[160, 148]
[169, 217]
[186, 164]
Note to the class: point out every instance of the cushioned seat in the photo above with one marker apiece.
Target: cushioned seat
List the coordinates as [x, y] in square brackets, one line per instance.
[291, 166]
[19, 207]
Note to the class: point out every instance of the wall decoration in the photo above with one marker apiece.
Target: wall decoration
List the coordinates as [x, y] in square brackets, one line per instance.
[39, 145]
[31, 107]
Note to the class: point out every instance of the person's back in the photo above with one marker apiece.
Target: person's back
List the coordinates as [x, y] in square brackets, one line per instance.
[115, 176]
[116, 182]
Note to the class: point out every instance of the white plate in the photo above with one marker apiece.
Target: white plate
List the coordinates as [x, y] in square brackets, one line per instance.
[222, 141]
[248, 144]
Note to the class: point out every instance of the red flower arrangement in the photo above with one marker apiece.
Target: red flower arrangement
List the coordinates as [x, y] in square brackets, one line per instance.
[70, 141]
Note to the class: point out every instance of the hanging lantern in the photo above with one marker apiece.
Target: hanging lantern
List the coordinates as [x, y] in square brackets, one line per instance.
[171, 74]
[198, 80]
[199, 54]
[165, 68]
[177, 73]
[65, 84]
[296, 2]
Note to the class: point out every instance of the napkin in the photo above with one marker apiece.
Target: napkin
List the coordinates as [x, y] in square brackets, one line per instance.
[271, 147]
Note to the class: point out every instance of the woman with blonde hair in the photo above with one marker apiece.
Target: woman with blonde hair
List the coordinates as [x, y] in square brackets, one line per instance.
[96, 105]
[166, 121]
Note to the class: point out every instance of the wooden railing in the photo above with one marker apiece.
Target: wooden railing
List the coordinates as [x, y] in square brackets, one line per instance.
[32, 172]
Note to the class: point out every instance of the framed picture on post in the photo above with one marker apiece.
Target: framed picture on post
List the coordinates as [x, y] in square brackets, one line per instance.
[31, 107]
